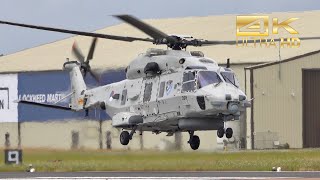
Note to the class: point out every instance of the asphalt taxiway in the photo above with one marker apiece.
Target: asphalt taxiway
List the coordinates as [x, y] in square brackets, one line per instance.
[162, 175]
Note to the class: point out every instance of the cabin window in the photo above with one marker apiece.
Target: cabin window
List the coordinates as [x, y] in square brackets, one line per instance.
[124, 97]
[147, 92]
[169, 87]
[161, 90]
[189, 83]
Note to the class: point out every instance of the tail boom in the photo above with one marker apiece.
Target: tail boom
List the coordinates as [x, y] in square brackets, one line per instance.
[78, 86]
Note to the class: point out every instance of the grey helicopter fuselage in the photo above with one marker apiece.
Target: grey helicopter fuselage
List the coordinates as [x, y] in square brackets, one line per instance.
[167, 91]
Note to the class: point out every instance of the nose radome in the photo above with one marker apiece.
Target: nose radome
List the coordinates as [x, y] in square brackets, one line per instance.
[233, 93]
[223, 93]
[236, 96]
[215, 97]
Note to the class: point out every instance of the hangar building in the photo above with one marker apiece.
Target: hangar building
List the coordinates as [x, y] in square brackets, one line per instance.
[285, 109]
[35, 74]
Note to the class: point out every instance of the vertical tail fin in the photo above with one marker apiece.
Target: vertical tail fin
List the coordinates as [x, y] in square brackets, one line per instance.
[78, 86]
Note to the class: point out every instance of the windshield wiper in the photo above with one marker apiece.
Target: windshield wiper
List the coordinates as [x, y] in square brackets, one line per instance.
[230, 81]
[217, 84]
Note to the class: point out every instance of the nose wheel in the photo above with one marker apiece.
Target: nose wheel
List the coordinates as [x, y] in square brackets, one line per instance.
[222, 131]
[229, 133]
[194, 141]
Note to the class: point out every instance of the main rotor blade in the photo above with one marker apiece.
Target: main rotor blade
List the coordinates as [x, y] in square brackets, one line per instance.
[146, 28]
[98, 35]
[309, 38]
[209, 43]
[91, 51]
[77, 53]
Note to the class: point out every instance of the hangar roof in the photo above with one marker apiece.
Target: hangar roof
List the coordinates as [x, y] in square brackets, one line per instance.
[112, 54]
[262, 65]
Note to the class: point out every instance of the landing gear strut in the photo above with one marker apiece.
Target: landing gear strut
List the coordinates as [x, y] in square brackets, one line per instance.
[194, 141]
[125, 136]
[228, 132]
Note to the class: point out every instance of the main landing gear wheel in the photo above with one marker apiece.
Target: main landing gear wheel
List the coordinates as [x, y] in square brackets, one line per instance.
[229, 133]
[220, 132]
[194, 142]
[125, 138]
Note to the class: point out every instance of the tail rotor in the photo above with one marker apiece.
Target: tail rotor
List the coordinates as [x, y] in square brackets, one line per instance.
[85, 62]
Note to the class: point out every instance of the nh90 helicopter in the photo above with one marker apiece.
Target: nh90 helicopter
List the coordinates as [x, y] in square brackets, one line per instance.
[165, 91]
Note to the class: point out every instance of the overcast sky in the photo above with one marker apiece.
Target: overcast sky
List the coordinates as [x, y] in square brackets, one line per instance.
[89, 15]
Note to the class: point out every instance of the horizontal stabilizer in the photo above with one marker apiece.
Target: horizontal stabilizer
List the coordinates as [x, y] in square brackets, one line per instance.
[46, 105]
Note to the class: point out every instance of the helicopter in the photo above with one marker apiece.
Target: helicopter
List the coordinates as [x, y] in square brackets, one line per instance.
[165, 91]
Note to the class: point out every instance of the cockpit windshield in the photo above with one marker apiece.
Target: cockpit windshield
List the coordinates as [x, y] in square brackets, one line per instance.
[207, 77]
[230, 77]
[193, 79]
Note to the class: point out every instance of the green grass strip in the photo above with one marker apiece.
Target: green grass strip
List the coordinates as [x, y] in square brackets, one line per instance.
[82, 160]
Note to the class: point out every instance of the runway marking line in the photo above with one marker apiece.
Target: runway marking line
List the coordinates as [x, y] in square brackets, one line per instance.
[162, 178]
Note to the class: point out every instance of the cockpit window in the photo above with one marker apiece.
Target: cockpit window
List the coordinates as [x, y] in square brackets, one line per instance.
[230, 77]
[189, 83]
[188, 76]
[207, 77]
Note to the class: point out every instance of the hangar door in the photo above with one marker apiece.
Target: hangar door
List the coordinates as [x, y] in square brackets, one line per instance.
[311, 107]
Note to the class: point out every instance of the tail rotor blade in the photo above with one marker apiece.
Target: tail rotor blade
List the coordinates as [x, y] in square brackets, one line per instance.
[85, 64]
[84, 73]
[91, 51]
[95, 75]
[77, 53]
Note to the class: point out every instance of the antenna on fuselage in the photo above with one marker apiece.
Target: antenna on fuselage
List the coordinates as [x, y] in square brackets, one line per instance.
[228, 63]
